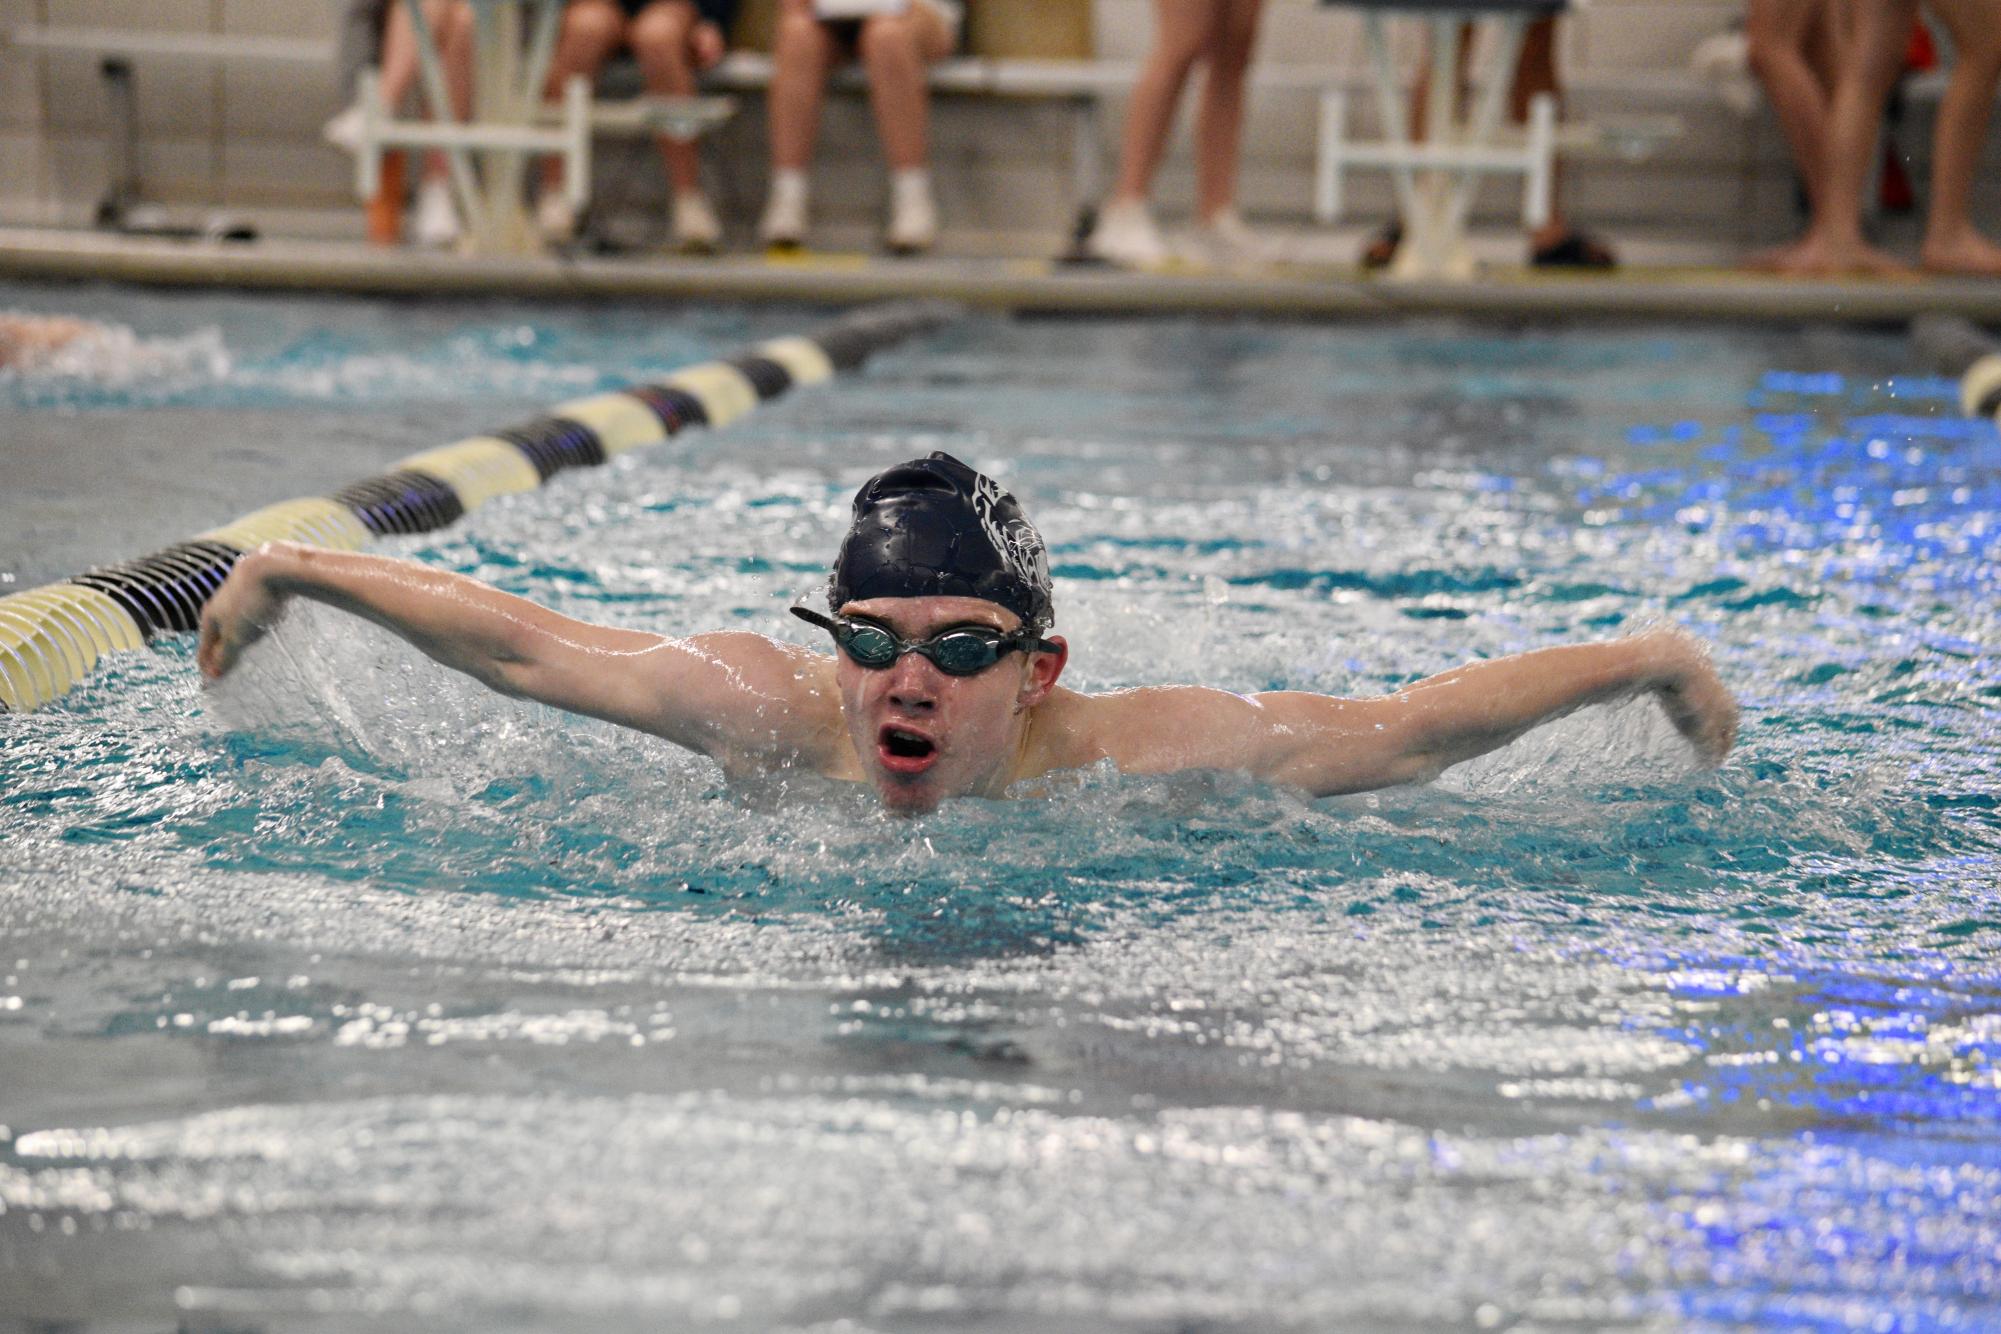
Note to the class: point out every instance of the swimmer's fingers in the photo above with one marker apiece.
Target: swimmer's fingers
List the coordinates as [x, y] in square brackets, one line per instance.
[234, 619]
[1701, 708]
[220, 646]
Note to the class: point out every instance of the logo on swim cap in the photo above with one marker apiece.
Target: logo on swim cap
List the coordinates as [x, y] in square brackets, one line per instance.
[934, 527]
[1014, 540]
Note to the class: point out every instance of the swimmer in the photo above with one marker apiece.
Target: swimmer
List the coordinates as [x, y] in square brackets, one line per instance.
[945, 677]
[29, 340]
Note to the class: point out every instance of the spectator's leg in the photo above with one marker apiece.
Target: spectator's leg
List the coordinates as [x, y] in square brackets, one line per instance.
[802, 52]
[895, 49]
[1952, 244]
[1420, 89]
[1381, 249]
[1834, 242]
[1555, 242]
[1219, 125]
[453, 23]
[673, 41]
[450, 21]
[451, 28]
[591, 31]
[1830, 31]
[1779, 33]
[399, 57]
[1535, 74]
[662, 37]
[1181, 34]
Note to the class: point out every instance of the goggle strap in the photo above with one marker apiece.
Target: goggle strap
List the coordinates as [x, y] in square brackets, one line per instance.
[811, 617]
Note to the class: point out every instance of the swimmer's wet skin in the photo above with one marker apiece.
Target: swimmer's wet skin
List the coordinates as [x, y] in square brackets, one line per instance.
[944, 678]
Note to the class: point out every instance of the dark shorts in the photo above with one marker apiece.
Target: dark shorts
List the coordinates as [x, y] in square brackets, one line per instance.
[722, 13]
[847, 33]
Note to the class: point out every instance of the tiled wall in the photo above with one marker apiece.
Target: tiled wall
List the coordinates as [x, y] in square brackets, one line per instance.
[245, 135]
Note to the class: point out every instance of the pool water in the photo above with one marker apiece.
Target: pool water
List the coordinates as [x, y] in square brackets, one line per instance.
[347, 995]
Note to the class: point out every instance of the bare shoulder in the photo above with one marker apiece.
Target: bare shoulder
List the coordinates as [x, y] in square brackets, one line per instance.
[745, 697]
[1158, 729]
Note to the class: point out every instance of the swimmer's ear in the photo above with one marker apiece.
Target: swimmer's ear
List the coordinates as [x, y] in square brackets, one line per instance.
[1043, 669]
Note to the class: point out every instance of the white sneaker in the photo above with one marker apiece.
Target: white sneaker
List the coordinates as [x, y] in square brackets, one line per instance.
[784, 220]
[344, 130]
[554, 218]
[1125, 235]
[913, 214]
[1227, 242]
[696, 231]
[437, 224]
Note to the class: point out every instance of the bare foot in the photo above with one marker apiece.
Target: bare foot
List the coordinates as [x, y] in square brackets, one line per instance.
[1970, 253]
[1776, 259]
[1818, 256]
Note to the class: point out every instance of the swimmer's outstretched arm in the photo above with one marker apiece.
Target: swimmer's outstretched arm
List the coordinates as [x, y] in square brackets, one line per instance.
[1328, 745]
[723, 694]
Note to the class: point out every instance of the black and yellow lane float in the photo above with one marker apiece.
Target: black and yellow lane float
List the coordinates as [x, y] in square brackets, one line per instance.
[52, 637]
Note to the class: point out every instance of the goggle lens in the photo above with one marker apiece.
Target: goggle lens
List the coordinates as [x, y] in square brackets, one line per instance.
[962, 653]
[867, 645]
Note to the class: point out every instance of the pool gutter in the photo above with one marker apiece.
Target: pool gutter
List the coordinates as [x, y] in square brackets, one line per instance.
[1029, 285]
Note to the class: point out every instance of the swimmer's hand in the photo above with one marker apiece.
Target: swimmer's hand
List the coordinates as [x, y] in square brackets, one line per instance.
[1693, 696]
[242, 610]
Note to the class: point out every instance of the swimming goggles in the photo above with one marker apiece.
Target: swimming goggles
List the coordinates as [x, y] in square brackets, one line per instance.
[965, 650]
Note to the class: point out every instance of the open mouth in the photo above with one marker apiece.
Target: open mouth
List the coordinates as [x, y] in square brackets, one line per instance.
[904, 751]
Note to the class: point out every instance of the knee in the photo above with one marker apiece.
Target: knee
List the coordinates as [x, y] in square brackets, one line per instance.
[796, 30]
[592, 23]
[888, 37]
[449, 19]
[661, 30]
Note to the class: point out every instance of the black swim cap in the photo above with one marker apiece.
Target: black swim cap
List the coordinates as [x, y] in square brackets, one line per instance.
[936, 528]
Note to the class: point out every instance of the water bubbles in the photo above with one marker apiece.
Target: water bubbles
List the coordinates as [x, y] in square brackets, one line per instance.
[64, 362]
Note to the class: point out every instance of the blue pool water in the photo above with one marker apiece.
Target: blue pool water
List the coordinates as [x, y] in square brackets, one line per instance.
[346, 995]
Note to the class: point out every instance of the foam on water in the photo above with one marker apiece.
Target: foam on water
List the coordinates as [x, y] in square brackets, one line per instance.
[100, 357]
[347, 991]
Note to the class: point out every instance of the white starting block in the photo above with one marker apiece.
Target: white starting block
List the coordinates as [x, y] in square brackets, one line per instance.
[1435, 180]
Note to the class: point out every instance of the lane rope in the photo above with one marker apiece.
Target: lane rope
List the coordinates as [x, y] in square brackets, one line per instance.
[52, 637]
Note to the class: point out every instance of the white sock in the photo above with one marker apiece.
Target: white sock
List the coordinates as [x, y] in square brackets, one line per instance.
[788, 187]
[910, 188]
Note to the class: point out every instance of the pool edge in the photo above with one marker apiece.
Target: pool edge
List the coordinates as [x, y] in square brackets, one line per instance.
[1027, 285]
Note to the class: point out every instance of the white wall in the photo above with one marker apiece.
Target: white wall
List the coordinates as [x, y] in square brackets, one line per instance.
[244, 135]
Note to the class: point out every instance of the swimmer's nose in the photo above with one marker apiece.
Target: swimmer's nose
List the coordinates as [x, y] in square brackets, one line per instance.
[911, 684]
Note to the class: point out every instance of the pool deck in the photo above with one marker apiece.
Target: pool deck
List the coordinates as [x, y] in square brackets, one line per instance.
[1298, 290]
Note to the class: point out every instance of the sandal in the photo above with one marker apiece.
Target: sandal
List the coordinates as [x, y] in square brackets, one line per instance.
[1575, 250]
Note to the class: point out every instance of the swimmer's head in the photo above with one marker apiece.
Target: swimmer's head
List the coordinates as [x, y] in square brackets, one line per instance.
[949, 583]
[936, 528]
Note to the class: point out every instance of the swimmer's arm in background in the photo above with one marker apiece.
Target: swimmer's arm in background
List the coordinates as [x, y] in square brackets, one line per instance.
[719, 694]
[1328, 745]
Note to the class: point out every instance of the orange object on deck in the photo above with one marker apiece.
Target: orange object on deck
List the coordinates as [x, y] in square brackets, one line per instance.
[385, 211]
